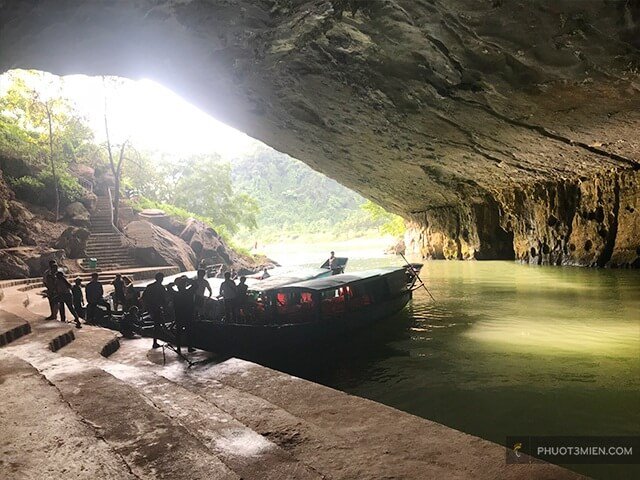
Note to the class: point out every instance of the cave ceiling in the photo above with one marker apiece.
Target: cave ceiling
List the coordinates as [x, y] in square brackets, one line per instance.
[416, 104]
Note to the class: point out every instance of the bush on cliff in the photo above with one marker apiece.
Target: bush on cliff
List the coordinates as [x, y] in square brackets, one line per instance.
[40, 189]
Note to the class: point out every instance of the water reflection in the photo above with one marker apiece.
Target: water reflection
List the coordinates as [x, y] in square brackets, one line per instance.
[506, 349]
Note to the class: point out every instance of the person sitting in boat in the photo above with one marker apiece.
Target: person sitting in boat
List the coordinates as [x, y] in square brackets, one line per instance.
[128, 322]
[229, 292]
[241, 299]
[332, 264]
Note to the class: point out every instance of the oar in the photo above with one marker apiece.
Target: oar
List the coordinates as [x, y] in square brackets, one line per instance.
[417, 276]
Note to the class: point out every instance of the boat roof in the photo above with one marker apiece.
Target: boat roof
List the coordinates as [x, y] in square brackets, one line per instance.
[300, 275]
[337, 281]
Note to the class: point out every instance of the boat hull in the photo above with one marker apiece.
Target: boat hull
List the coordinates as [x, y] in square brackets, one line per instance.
[252, 340]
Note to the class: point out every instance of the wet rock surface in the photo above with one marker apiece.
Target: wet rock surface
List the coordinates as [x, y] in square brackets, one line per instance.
[470, 117]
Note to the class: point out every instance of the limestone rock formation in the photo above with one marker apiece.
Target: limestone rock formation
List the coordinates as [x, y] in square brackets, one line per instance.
[25, 262]
[155, 246]
[210, 247]
[473, 118]
[74, 242]
[12, 266]
[78, 215]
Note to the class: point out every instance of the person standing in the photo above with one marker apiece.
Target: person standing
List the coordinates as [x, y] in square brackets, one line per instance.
[118, 292]
[63, 291]
[228, 291]
[241, 299]
[94, 294]
[154, 298]
[184, 309]
[201, 286]
[130, 294]
[78, 298]
[49, 280]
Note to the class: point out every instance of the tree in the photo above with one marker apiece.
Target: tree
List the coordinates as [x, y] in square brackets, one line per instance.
[42, 129]
[114, 165]
[393, 224]
[116, 168]
[202, 184]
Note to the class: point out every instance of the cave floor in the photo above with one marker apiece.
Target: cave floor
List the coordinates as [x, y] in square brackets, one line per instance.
[77, 413]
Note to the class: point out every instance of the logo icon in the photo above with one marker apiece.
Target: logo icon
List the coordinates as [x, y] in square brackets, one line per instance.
[516, 449]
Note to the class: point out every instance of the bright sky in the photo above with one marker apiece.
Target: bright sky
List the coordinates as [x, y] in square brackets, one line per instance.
[152, 116]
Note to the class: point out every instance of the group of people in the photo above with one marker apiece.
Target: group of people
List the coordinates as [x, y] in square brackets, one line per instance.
[62, 295]
[189, 301]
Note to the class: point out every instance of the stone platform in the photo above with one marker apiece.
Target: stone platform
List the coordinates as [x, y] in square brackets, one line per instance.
[86, 409]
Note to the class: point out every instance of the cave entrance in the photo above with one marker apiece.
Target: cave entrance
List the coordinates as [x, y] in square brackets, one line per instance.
[160, 152]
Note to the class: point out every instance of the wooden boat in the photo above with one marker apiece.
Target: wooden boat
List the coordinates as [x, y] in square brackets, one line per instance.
[293, 315]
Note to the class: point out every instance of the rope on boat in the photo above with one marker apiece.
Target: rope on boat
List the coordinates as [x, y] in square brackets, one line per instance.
[422, 284]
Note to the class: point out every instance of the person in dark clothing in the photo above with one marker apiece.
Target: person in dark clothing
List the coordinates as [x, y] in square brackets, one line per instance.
[94, 294]
[130, 294]
[63, 290]
[128, 322]
[228, 291]
[118, 292]
[241, 299]
[78, 298]
[49, 280]
[154, 298]
[201, 286]
[184, 307]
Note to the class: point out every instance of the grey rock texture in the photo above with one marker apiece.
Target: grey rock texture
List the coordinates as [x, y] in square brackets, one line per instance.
[155, 246]
[78, 215]
[210, 247]
[73, 241]
[446, 112]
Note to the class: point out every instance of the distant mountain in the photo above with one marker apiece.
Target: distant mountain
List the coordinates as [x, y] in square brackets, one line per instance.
[296, 200]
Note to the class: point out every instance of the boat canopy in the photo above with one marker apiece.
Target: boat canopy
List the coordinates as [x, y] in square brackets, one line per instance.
[274, 282]
[336, 281]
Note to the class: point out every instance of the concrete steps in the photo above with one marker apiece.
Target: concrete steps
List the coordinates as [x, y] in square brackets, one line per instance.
[12, 327]
[135, 416]
[106, 244]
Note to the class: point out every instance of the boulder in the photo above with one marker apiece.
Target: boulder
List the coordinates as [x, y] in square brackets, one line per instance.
[27, 262]
[155, 246]
[12, 267]
[19, 213]
[89, 200]
[11, 240]
[205, 241]
[78, 215]
[212, 249]
[398, 248]
[74, 242]
[161, 219]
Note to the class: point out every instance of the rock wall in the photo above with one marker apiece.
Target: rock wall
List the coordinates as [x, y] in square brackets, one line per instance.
[591, 221]
[479, 119]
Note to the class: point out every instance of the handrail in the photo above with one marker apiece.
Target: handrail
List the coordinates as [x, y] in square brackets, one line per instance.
[86, 184]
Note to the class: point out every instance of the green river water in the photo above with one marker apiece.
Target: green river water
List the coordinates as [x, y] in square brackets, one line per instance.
[506, 349]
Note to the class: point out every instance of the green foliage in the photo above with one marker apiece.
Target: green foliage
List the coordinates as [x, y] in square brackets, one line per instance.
[296, 201]
[39, 189]
[38, 133]
[392, 224]
[198, 186]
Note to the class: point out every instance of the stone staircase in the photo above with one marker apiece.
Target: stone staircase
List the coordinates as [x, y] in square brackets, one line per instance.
[93, 410]
[106, 244]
